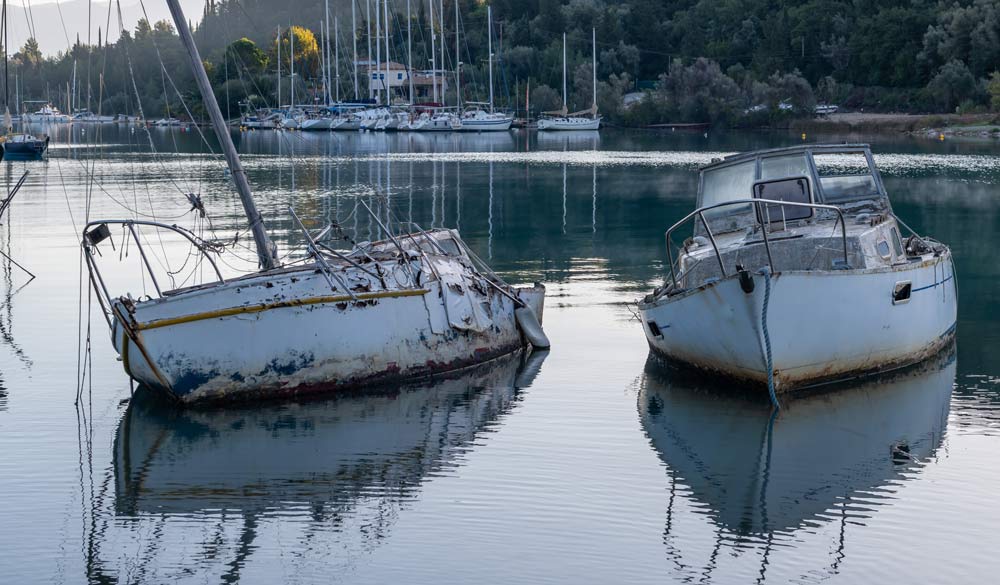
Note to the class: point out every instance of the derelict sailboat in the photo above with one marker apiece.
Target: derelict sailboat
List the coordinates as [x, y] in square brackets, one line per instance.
[410, 305]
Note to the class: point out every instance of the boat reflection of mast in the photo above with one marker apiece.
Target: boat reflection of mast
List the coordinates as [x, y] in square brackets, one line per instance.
[593, 212]
[489, 241]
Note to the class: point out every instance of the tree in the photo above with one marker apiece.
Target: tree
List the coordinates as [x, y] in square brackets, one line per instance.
[30, 55]
[306, 51]
[545, 99]
[245, 56]
[952, 85]
[993, 89]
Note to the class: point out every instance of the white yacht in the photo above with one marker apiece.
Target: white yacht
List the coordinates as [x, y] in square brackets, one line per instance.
[46, 114]
[798, 273]
[562, 119]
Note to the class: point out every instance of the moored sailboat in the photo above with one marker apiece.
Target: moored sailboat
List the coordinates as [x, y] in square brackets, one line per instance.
[409, 305]
[583, 120]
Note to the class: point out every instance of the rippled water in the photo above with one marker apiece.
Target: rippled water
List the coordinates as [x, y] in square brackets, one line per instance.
[583, 465]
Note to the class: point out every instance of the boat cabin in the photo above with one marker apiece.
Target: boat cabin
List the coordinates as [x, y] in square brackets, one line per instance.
[803, 208]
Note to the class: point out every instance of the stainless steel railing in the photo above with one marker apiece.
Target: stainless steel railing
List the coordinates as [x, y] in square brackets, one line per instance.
[700, 214]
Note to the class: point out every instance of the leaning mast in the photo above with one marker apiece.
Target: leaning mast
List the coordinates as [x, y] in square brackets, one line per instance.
[266, 251]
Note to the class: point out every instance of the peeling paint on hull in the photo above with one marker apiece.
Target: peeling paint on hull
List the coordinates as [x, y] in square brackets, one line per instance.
[257, 339]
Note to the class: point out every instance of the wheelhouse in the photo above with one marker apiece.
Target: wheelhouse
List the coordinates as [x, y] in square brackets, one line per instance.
[841, 175]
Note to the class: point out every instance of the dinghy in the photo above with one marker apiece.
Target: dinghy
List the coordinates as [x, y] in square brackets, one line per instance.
[798, 273]
[409, 305]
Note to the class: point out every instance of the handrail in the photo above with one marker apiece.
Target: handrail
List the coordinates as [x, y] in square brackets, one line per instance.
[130, 223]
[756, 203]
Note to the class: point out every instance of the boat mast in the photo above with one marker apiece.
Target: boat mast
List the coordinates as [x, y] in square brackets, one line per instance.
[354, 39]
[8, 124]
[368, 25]
[441, 19]
[326, 52]
[323, 57]
[409, 49]
[336, 56]
[291, 69]
[266, 252]
[565, 104]
[593, 67]
[378, 54]
[433, 69]
[279, 67]
[458, 63]
[489, 50]
[385, 81]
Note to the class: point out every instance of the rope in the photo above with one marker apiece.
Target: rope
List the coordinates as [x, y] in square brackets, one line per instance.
[767, 338]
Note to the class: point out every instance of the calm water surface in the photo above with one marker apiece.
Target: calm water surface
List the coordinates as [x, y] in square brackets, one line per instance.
[585, 465]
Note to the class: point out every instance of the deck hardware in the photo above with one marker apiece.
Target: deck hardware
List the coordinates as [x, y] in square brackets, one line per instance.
[746, 281]
[901, 292]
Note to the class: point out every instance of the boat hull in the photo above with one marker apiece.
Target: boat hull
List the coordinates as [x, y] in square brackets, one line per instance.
[244, 340]
[497, 125]
[569, 124]
[823, 326]
[26, 149]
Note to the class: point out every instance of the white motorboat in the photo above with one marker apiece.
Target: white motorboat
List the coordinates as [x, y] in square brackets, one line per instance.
[798, 273]
[413, 304]
[46, 114]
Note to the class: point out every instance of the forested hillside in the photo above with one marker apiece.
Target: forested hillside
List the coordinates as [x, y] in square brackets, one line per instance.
[732, 61]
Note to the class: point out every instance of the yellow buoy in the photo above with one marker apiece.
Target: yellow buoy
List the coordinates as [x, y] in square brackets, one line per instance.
[803, 136]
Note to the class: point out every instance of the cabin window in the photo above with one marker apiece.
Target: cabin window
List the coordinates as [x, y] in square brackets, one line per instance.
[795, 190]
[883, 249]
[782, 167]
[845, 176]
[729, 183]
[896, 242]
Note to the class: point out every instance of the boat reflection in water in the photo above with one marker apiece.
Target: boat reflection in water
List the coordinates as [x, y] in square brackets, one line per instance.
[763, 479]
[255, 459]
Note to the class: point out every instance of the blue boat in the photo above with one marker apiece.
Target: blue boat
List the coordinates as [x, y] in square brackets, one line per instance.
[25, 146]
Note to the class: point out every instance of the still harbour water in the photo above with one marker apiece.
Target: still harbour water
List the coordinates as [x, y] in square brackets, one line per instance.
[585, 464]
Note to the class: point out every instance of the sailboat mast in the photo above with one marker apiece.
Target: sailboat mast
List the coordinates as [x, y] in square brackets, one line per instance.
[336, 57]
[441, 18]
[368, 26]
[593, 68]
[385, 80]
[434, 86]
[489, 49]
[378, 54]
[322, 61]
[565, 103]
[458, 63]
[354, 39]
[409, 49]
[6, 41]
[279, 67]
[326, 51]
[265, 252]
[291, 69]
